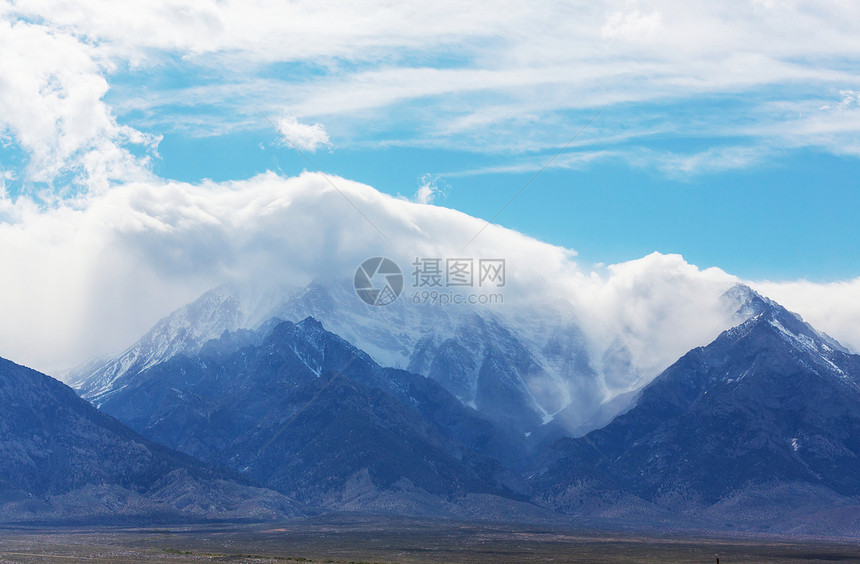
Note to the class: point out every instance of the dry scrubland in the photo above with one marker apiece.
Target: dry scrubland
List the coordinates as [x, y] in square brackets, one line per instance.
[360, 539]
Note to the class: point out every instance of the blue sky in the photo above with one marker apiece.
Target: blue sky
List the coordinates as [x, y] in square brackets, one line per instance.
[736, 146]
[789, 216]
[727, 133]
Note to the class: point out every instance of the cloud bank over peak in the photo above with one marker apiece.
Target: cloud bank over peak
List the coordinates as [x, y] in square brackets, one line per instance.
[91, 274]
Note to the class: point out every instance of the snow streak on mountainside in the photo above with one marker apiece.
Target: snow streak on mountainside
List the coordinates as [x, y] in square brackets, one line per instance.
[519, 372]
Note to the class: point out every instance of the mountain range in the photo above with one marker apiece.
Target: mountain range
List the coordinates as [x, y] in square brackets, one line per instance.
[520, 369]
[754, 431]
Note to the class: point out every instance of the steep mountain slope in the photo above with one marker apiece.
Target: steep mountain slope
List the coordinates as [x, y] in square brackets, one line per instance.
[60, 457]
[225, 308]
[185, 330]
[759, 425]
[308, 414]
[519, 369]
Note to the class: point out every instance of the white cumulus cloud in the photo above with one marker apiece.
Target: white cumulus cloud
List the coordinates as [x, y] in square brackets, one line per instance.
[51, 106]
[302, 136]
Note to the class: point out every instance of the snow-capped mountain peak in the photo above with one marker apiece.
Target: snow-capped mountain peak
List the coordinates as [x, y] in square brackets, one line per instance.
[184, 330]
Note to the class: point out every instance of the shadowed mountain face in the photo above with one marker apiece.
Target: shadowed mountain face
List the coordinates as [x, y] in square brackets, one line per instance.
[518, 369]
[306, 413]
[59, 456]
[770, 409]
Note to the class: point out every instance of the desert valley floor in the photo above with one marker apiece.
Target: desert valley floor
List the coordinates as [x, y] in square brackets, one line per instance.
[361, 539]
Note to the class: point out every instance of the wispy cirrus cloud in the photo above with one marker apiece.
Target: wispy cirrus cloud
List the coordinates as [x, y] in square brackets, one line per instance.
[430, 187]
[496, 78]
